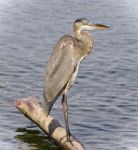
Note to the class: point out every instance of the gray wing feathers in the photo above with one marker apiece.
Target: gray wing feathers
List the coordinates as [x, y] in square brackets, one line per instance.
[60, 68]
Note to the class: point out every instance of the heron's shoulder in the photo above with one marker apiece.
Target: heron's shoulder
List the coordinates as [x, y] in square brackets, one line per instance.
[67, 37]
[66, 40]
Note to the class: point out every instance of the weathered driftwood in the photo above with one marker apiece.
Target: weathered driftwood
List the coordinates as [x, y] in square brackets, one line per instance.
[31, 108]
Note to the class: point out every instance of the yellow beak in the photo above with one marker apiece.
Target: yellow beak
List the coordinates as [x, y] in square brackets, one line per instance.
[100, 26]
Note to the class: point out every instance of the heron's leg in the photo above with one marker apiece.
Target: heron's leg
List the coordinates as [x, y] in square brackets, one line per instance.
[65, 110]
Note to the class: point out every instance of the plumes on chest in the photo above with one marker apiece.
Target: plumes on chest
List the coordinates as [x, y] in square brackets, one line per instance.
[84, 43]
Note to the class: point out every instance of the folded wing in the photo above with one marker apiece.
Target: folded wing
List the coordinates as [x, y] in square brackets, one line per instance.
[61, 66]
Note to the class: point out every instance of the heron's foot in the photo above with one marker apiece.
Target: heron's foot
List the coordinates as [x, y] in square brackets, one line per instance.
[70, 138]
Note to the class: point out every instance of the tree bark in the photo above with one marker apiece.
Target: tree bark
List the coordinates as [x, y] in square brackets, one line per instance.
[33, 110]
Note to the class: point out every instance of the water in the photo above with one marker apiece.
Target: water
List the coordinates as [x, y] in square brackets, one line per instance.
[103, 104]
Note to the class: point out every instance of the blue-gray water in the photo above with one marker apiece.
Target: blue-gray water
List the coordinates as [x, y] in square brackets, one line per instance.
[103, 104]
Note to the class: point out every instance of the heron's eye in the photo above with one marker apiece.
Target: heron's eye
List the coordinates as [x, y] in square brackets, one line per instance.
[85, 22]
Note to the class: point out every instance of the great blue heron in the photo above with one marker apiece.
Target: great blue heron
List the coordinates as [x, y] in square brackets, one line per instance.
[64, 62]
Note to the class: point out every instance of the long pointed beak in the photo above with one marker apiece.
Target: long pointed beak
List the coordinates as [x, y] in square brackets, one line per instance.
[92, 26]
[98, 26]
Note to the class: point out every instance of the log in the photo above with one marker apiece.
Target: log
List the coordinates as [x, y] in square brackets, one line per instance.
[33, 110]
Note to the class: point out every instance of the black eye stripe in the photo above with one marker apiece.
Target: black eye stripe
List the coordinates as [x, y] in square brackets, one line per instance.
[83, 20]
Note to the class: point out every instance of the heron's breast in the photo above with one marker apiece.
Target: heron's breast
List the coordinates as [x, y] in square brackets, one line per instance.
[74, 75]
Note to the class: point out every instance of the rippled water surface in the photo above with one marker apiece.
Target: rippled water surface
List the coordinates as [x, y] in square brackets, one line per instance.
[103, 104]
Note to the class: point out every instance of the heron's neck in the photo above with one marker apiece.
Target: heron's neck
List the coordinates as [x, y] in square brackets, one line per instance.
[77, 34]
[84, 40]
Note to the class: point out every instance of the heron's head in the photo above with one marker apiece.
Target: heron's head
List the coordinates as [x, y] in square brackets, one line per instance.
[84, 24]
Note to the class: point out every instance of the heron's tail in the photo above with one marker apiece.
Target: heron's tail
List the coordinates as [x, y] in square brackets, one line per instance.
[46, 105]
